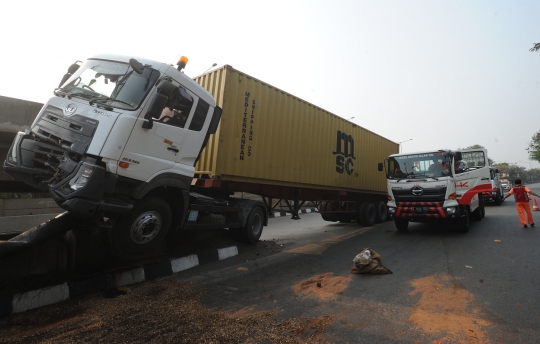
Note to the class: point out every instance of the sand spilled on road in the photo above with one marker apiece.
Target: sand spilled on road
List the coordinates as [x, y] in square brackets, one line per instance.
[165, 311]
[447, 309]
[324, 286]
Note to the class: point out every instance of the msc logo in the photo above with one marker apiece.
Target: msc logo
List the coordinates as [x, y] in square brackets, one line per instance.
[344, 153]
[70, 109]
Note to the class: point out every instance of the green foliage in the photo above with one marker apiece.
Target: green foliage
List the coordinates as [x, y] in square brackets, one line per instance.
[534, 147]
[513, 171]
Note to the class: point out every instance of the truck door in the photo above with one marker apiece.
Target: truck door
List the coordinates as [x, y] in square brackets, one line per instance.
[472, 175]
[149, 151]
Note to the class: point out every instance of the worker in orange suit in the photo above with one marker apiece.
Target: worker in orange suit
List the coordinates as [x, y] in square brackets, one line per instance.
[521, 194]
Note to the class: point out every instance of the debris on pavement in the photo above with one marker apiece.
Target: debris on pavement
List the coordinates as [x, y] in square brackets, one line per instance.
[468, 266]
[497, 240]
[369, 262]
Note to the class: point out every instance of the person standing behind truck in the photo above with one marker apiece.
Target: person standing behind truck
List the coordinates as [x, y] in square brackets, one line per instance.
[521, 194]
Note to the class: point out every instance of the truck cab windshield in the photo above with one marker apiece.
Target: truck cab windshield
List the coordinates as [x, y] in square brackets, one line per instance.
[113, 83]
[425, 165]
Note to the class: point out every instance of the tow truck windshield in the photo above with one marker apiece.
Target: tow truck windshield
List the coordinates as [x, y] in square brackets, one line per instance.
[414, 166]
[115, 84]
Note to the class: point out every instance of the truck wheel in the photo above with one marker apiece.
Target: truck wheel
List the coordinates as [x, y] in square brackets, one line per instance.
[332, 217]
[463, 222]
[498, 198]
[401, 224]
[143, 229]
[480, 212]
[382, 211]
[367, 214]
[483, 212]
[254, 226]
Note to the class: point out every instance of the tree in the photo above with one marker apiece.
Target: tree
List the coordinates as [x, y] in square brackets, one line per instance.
[477, 146]
[536, 47]
[513, 171]
[534, 147]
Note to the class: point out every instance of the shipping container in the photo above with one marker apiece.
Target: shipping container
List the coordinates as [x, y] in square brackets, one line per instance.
[270, 137]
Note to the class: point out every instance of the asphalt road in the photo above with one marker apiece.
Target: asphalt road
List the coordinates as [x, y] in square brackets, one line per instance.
[445, 286]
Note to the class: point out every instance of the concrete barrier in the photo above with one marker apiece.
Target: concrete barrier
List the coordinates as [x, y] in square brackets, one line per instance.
[28, 206]
[19, 224]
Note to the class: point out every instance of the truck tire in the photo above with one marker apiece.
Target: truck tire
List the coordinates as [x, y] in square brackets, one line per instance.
[463, 223]
[498, 198]
[401, 224]
[329, 217]
[382, 211]
[254, 226]
[480, 212]
[367, 214]
[142, 230]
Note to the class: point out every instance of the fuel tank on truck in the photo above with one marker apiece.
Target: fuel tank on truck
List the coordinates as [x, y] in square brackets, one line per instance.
[268, 136]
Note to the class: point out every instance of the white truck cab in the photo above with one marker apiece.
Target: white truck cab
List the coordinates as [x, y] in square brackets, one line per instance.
[118, 144]
[436, 186]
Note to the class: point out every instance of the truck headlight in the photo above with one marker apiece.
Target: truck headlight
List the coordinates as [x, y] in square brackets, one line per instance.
[391, 210]
[12, 155]
[451, 210]
[81, 178]
[494, 193]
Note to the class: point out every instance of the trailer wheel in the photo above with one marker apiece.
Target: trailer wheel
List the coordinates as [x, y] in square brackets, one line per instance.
[367, 214]
[143, 229]
[332, 217]
[254, 226]
[401, 224]
[382, 211]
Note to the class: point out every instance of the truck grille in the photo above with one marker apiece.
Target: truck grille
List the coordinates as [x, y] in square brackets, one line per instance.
[70, 133]
[428, 195]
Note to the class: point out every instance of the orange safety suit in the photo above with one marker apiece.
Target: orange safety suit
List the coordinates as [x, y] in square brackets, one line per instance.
[521, 194]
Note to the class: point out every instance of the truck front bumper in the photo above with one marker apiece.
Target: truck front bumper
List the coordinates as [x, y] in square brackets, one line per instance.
[78, 187]
[423, 211]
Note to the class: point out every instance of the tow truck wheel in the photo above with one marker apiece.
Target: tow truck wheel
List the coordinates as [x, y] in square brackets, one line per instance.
[401, 224]
[142, 230]
[254, 226]
[382, 211]
[480, 212]
[463, 222]
[498, 198]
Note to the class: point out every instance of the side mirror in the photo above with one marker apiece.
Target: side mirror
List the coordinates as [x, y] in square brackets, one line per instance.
[71, 70]
[380, 166]
[155, 109]
[457, 156]
[496, 170]
[136, 65]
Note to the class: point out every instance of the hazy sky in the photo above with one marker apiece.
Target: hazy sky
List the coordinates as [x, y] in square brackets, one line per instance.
[447, 74]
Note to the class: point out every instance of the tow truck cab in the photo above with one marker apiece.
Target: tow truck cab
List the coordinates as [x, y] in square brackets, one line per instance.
[435, 186]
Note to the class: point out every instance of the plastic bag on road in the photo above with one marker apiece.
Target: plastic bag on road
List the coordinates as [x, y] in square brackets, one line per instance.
[368, 262]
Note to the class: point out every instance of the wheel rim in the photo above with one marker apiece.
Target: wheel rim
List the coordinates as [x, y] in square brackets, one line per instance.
[146, 227]
[256, 224]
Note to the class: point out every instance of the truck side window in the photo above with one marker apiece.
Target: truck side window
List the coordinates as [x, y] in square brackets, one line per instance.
[201, 111]
[177, 110]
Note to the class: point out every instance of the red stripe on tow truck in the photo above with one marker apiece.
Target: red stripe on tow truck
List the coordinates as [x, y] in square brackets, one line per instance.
[467, 197]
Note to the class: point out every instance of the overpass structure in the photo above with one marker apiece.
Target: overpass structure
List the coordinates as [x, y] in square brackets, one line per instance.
[15, 115]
